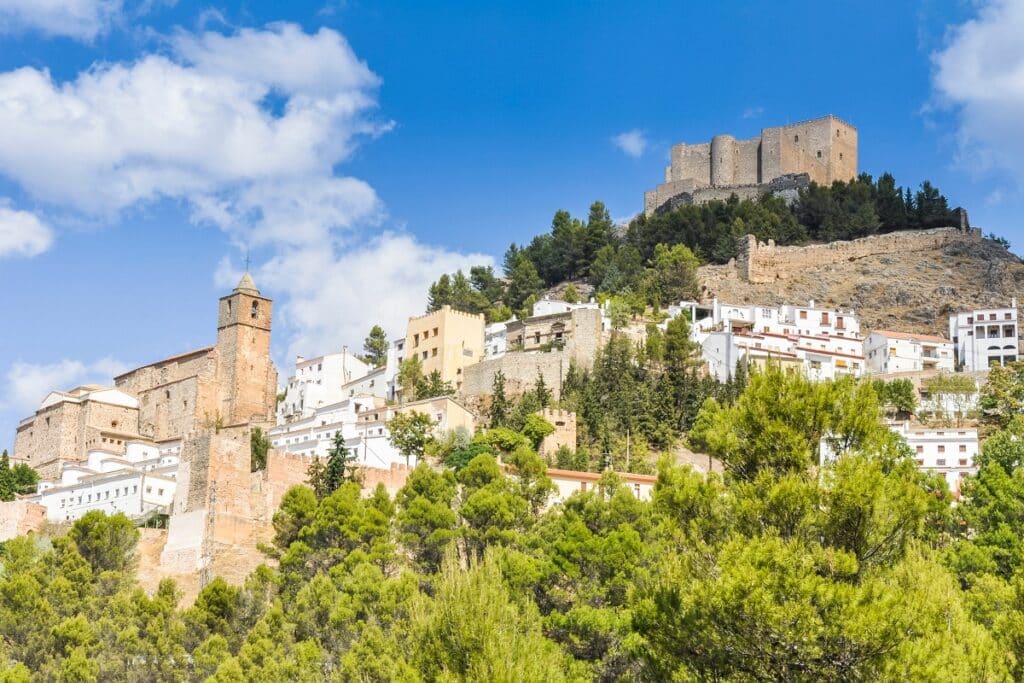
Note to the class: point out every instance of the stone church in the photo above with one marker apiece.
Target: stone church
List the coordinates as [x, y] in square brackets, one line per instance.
[232, 382]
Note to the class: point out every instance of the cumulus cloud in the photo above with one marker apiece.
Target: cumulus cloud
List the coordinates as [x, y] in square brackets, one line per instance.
[22, 233]
[78, 19]
[29, 383]
[980, 74]
[199, 125]
[335, 295]
[632, 142]
[248, 131]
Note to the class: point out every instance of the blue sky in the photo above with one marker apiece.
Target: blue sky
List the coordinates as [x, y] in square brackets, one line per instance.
[357, 150]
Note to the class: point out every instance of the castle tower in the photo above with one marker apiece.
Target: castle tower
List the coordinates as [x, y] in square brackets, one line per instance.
[247, 378]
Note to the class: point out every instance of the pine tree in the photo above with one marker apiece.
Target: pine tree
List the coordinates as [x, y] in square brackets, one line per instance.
[375, 347]
[7, 488]
[540, 388]
[500, 406]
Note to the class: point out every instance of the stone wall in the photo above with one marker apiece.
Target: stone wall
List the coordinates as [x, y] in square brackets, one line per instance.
[520, 370]
[63, 432]
[393, 479]
[564, 422]
[765, 262]
[19, 517]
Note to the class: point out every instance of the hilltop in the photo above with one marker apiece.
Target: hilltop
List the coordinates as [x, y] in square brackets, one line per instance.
[913, 288]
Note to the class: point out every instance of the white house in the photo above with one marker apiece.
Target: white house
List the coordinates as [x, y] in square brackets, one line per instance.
[886, 351]
[820, 358]
[318, 382]
[495, 340]
[136, 483]
[985, 337]
[824, 342]
[313, 436]
[569, 482]
[950, 451]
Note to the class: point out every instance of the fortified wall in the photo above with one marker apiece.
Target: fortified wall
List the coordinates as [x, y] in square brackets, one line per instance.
[761, 262]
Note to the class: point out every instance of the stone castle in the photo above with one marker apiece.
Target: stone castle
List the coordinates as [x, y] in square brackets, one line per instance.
[780, 160]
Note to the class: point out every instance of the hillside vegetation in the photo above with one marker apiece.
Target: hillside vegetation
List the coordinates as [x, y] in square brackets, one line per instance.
[859, 569]
[652, 262]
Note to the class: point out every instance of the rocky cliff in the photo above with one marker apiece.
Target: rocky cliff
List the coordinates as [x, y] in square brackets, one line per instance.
[912, 288]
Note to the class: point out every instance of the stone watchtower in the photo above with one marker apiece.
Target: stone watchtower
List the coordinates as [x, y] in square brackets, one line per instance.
[247, 377]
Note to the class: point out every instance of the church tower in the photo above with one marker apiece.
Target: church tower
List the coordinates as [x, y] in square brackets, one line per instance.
[247, 378]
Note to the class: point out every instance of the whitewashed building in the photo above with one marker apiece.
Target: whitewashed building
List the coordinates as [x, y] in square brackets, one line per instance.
[824, 343]
[136, 483]
[569, 482]
[496, 340]
[985, 337]
[949, 451]
[318, 382]
[314, 436]
[886, 351]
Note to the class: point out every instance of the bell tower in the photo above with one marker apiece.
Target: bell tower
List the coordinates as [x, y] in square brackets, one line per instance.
[246, 375]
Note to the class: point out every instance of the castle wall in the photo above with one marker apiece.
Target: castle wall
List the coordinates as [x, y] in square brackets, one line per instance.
[691, 162]
[520, 370]
[824, 148]
[20, 517]
[764, 262]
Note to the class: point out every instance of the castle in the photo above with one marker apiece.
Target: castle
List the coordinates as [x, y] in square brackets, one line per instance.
[780, 160]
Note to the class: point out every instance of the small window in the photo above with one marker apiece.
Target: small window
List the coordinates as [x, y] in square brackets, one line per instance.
[920, 449]
[255, 310]
[941, 462]
[963, 448]
[819, 153]
[433, 352]
[167, 394]
[435, 331]
[963, 462]
[942, 449]
[796, 138]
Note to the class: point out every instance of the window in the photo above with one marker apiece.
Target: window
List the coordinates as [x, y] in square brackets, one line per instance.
[837, 132]
[803, 315]
[583, 486]
[942, 449]
[963, 462]
[159, 492]
[135, 488]
[426, 334]
[1007, 316]
[435, 331]
[1008, 331]
[920, 462]
[149, 489]
[424, 355]
[920, 449]
[819, 153]
[963, 448]
[416, 340]
[536, 337]
[167, 394]
[636, 490]
[796, 138]
[255, 310]
[941, 462]
[433, 352]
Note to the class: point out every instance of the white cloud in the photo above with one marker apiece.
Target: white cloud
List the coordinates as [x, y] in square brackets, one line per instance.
[248, 131]
[79, 19]
[632, 142]
[22, 233]
[335, 295]
[29, 383]
[980, 74]
[218, 120]
[752, 112]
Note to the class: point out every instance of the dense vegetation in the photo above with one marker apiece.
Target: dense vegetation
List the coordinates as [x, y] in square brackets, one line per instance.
[16, 480]
[655, 259]
[785, 568]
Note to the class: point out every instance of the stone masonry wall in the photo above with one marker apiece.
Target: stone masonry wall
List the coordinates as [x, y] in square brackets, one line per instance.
[564, 422]
[520, 370]
[19, 517]
[762, 263]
